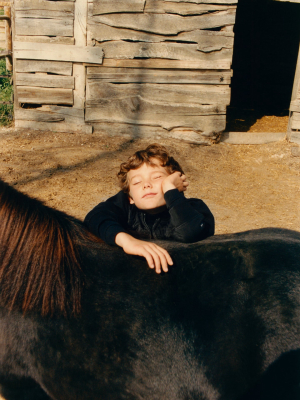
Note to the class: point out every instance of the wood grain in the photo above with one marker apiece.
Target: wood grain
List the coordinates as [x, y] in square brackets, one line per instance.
[37, 95]
[41, 27]
[51, 81]
[117, 6]
[57, 52]
[53, 67]
[168, 24]
[137, 75]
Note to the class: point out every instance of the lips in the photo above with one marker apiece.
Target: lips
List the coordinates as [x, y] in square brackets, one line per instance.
[149, 195]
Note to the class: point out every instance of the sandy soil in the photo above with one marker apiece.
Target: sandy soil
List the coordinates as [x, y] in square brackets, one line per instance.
[246, 187]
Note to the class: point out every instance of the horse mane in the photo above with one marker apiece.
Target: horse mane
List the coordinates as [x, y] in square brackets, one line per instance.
[40, 268]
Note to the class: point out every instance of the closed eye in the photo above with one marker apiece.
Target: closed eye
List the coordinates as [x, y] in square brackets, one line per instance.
[157, 177]
[136, 183]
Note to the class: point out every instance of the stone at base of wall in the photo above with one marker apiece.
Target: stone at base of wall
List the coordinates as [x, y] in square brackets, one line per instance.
[252, 137]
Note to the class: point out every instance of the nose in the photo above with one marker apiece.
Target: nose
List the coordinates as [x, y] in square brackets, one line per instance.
[147, 185]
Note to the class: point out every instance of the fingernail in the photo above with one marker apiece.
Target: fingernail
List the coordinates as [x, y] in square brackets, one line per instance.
[152, 266]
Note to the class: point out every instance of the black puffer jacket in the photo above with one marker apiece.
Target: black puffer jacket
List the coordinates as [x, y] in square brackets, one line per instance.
[184, 220]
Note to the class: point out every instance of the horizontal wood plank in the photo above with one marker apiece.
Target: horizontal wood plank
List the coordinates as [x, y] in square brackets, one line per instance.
[117, 6]
[44, 14]
[34, 95]
[206, 1]
[102, 33]
[46, 39]
[157, 63]
[173, 51]
[28, 5]
[167, 24]
[53, 67]
[49, 113]
[136, 75]
[182, 94]
[139, 111]
[182, 8]
[54, 126]
[57, 52]
[41, 27]
[151, 132]
[51, 81]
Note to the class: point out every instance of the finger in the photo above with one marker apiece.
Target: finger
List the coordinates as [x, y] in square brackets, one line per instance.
[164, 257]
[156, 259]
[148, 257]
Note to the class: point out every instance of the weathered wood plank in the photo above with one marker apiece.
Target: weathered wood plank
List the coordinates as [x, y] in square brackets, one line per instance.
[41, 27]
[51, 81]
[47, 39]
[80, 25]
[136, 110]
[48, 113]
[53, 67]
[34, 95]
[57, 52]
[62, 6]
[173, 51]
[167, 24]
[206, 1]
[54, 126]
[102, 33]
[157, 63]
[117, 6]
[181, 94]
[129, 75]
[47, 14]
[151, 132]
[182, 8]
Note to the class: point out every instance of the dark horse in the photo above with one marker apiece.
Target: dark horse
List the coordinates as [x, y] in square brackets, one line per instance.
[82, 320]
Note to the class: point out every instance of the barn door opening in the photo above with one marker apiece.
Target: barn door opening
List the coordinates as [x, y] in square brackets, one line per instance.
[264, 62]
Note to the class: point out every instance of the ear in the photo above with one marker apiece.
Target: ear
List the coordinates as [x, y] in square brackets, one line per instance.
[131, 201]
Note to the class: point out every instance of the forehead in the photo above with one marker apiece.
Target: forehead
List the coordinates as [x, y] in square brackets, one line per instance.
[146, 169]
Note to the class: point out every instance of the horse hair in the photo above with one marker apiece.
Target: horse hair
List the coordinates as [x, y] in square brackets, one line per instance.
[40, 268]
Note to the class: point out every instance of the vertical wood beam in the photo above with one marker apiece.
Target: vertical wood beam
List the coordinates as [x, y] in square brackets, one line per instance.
[7, 13]
[79, 71]
[294, 92]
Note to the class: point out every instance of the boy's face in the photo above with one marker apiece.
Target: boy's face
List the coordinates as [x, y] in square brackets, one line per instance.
[145, 186]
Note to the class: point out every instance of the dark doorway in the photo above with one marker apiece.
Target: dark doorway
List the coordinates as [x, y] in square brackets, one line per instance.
[265, 54]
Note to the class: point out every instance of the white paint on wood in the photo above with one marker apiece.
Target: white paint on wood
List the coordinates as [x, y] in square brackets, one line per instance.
[38, 95]
[51, 81]
[57, 52]
[167, 24]
[117, 6]
[53, 67]
[137, 75]
[39, 26]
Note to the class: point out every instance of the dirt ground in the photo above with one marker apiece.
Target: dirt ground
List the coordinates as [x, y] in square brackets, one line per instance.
[246, 187]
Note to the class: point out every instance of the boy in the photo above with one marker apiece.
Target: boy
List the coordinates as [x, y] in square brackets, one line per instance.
[151, 205]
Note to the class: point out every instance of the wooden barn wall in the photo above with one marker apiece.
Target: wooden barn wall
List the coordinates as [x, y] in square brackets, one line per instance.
[140, 66]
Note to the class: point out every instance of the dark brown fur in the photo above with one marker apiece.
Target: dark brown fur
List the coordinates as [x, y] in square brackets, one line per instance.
[40, 265]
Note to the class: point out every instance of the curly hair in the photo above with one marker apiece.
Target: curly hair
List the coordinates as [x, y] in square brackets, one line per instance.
[153, 151]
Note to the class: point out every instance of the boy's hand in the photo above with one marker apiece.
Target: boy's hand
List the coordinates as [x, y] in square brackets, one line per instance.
[156, 256]
[175, 181]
